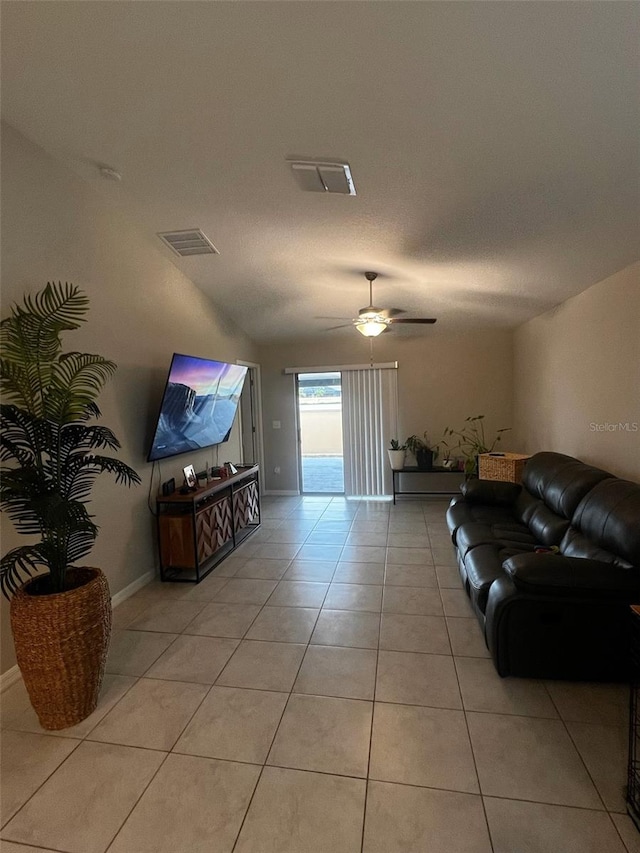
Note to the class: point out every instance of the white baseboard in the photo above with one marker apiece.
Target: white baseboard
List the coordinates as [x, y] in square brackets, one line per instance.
[9, 678]
[133, 587]
[287, 493]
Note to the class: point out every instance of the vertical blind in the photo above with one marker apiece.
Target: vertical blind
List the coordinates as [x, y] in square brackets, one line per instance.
[369, 421]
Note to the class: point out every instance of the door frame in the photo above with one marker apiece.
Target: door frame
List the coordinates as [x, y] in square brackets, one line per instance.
[255, 389]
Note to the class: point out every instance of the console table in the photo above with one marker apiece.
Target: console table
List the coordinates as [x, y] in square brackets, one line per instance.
[426, 491]
[198, 529]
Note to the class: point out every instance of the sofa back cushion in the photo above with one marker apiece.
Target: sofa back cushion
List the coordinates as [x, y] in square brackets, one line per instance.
[547, 527]
[606, 524]
[560, 481]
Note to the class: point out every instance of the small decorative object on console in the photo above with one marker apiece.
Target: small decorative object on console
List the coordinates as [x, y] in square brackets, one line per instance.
[190, 476]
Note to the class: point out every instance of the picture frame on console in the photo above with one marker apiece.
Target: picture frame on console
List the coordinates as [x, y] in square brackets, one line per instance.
[190, 479]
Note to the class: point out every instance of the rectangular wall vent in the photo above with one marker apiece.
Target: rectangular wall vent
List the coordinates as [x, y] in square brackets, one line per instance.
[323, 177]
[190, 242]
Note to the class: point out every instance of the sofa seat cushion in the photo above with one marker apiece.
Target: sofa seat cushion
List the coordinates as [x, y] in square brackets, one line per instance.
[505, 534]
[465, 513]
[483, 565]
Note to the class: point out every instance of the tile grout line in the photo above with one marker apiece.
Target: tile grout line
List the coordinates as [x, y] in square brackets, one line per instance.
[373, 711]
[181, 732]
[473, 756]
[29, 798]
[466, 723]
[130, 812]
[575, 746]
[276, 730]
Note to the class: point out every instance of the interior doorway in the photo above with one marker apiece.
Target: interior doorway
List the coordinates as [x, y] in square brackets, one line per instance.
[320, 449]
[250, 418]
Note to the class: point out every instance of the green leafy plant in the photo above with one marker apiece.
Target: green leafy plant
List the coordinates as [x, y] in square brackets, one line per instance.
[472, 440]
[446, 448]
[45, 435]
[395, 445]
[415, 444]
[424, 452]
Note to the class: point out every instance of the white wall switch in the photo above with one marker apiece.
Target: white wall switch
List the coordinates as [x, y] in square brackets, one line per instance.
[276, 424]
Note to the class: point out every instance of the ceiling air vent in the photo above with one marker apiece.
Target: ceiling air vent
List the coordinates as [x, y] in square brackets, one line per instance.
[190, 242]
[323, 177]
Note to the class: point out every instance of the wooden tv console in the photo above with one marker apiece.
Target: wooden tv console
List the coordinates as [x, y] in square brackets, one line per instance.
[199, 529]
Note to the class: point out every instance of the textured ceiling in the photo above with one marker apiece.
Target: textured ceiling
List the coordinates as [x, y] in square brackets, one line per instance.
[494, 146]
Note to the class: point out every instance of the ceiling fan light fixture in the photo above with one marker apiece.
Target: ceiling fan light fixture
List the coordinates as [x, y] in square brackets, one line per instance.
[370, 313]
[371, 328]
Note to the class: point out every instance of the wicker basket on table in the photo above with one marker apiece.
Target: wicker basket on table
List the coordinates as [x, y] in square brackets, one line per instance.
[507, 467]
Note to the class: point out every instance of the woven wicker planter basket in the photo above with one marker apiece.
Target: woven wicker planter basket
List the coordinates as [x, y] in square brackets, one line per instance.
[61, 644]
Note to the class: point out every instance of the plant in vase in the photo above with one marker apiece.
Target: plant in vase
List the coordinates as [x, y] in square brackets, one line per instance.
[473, 441]
[396, 454]
[61, 619]
[424, 453]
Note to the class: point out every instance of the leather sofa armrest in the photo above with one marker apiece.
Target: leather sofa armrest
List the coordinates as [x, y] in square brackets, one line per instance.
[492, 492]
[544, 574]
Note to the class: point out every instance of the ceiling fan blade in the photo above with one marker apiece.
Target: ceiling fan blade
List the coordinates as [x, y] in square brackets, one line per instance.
[332, 318]
[343, 326]
[411, 320]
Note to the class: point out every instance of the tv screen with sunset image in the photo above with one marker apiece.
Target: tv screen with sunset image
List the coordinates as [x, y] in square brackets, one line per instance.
[198, 407]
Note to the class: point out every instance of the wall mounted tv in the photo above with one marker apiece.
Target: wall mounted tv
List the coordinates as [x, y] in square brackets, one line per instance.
[198, 407]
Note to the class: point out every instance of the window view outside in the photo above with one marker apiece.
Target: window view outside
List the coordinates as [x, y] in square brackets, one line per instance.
[320, 412]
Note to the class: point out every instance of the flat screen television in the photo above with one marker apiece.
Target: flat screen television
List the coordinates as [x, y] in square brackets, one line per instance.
[198, 407]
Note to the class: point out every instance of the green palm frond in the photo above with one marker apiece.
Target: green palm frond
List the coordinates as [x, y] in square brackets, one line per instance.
[76, 380]
[79, 544]
[18, 436]
[106, 464]
[17, 382]
[30, 339]
[60, 305]
[18, 565]
[78, 437]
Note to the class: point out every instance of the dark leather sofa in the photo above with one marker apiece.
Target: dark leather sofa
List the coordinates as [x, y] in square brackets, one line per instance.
[563, 613]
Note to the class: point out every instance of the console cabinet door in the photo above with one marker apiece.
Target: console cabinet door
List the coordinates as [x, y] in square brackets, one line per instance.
[213, 528]
[245, 505]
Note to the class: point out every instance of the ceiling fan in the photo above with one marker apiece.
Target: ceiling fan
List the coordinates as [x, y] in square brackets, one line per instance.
[372, 321]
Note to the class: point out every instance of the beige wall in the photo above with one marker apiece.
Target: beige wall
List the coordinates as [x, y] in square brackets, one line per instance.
[442, 378]
[55, 226]
[321, 428]
[577, 370]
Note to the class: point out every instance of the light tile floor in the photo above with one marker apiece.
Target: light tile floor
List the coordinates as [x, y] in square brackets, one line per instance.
[327, 688]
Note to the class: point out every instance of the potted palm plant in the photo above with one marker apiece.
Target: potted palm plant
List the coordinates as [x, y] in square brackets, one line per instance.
[61, 619]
